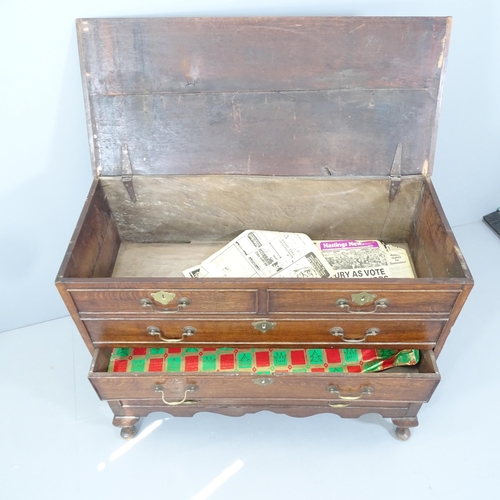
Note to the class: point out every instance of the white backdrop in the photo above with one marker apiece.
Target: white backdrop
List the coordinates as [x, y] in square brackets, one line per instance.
[44, 154]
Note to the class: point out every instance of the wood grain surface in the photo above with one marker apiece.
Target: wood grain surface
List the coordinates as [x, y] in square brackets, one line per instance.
[237, 407]
[179, 209]
[160, 55]
[268, 96]
[202, 301]
[394, 332]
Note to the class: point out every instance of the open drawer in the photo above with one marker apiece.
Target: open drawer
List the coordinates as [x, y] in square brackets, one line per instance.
[400, 384]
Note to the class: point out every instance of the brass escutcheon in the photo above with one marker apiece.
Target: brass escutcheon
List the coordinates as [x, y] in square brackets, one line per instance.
[264, 326]
[163, 297]
[363, 298]
[262, 381]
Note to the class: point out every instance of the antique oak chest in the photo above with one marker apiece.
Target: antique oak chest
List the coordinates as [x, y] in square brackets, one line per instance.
[202, 128]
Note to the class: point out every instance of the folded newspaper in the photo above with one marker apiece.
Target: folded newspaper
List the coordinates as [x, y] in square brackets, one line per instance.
[265, 254]
[294, 255]
[366, 259]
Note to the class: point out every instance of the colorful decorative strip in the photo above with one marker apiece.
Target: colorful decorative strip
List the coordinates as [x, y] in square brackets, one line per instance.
[259, 361]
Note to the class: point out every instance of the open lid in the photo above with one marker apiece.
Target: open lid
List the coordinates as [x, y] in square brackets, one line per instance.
[263, 96]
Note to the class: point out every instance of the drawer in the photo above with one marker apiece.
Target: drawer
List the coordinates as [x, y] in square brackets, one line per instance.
[403, 384]
[242, 406]
[348, 301]
[266, 402]
[338, 331]
[182, 301]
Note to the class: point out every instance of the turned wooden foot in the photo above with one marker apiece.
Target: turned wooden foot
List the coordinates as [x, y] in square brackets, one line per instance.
[403, 427]
[128, 432]
[403, 433]
[127, 424]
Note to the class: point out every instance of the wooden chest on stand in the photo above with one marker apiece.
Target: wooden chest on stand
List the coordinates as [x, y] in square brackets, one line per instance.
[202, 128]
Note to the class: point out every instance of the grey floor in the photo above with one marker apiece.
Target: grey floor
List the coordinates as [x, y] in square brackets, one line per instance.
[58, 441]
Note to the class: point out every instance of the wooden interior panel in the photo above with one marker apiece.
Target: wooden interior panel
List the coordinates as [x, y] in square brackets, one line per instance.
[265, 96]
[344, 132]
[140, 56]
[217, 208]
[143, 260]
[427, 363]
[100, 360]
[434, 248]
[94, 252]
[204, 212]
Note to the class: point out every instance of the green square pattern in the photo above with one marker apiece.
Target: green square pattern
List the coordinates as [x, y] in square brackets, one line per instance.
[265, 361]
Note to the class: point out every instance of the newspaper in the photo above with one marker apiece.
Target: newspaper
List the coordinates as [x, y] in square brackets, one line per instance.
[366, 259]
[195, 272]
[265, 254]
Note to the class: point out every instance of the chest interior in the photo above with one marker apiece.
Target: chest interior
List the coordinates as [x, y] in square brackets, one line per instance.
[177, 221]
[200, 129]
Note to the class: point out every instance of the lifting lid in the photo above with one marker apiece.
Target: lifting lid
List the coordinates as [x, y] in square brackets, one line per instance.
[263, 96]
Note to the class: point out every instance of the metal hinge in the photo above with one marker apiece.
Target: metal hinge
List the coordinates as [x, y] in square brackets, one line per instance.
[127, 173]
[395, 174]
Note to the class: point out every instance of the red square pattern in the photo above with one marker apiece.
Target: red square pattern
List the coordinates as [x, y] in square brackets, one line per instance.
[262, 359]
[139, 351]
[209, 349]
[174, 350]
[317, 369]
[333, 356]
[368, 354]
[387, 363]
[156, 365]
[298, 357]
[354, 369]
[227, 361]
[120, 365]
[191, 363]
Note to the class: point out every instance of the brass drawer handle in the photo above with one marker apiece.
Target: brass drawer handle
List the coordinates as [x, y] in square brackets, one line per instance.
[182, 303]
[337, 331]
[188, 332]
[190, 388]
[334, 389]
[338, 405]
[344, 304]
